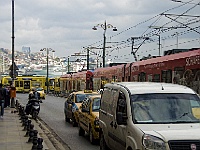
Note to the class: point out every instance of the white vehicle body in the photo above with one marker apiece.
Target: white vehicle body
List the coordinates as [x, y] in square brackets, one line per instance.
[143, 115]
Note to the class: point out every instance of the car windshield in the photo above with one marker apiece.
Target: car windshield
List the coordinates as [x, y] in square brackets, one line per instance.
[81, 97]
[39, 89]
[96, 104]
[165, 108]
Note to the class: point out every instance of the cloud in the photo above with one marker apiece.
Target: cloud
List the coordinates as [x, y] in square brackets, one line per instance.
[66, 25]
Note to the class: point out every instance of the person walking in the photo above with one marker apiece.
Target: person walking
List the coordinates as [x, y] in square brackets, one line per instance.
[2, 99]
[7, 97]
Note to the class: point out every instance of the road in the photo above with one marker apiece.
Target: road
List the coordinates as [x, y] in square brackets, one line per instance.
[52, 113]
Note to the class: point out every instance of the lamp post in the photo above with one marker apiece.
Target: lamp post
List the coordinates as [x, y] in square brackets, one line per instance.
[47, 77]
[104, 27]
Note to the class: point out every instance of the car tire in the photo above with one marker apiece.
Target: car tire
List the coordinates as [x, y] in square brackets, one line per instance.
[91, 136]
[81, 132]
[74, 123]
[66, 118]
[103, 145]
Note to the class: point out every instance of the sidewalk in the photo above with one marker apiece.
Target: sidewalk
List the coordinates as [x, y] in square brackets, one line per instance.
[12, 134]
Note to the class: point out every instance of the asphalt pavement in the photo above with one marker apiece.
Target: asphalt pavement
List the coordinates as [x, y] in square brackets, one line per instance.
[12, 133]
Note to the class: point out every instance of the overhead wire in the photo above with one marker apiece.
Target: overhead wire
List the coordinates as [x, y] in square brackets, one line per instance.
[127, 43]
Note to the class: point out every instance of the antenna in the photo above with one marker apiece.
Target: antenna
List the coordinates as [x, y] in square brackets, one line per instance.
[162, 87]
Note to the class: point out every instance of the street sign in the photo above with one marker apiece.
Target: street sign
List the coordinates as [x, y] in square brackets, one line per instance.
[15, 67]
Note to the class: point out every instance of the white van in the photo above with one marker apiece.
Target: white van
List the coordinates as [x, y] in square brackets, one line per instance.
[149, 116]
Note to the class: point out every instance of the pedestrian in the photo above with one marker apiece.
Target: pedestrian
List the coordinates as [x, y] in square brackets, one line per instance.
[7, 98]
[2, 99]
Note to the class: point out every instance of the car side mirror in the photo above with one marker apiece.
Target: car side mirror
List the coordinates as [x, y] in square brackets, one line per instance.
[121, 118]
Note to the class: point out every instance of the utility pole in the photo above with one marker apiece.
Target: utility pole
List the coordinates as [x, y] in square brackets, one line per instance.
[68, 64]
[132, 50]
[13, 53]
[88, 56]
[83, 55]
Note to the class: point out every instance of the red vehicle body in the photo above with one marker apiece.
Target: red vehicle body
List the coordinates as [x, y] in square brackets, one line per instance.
[77, 81]
[179, 68]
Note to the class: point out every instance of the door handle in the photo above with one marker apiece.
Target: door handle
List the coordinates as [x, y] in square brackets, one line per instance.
[111, 124]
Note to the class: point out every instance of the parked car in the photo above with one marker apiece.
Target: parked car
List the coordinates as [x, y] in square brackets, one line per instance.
[89, 117]
[147, 115]
[72, 104]
[41, 92]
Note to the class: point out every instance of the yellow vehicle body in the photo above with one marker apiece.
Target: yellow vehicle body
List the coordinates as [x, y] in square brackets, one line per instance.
[73, 103]
[196, 112]
[51, 84]
[65, 84]
[57, 86]
[25, 83]
[89, 117]
[41, 92]
[6, 80]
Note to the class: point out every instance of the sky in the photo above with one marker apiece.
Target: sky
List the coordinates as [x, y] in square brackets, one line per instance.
[66, 26]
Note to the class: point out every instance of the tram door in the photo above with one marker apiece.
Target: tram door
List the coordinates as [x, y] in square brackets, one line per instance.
[27, 85]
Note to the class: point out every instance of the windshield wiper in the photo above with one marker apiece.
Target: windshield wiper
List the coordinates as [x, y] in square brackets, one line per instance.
[184, 114]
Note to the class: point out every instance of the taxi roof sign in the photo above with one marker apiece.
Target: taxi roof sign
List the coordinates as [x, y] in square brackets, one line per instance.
[87, 91]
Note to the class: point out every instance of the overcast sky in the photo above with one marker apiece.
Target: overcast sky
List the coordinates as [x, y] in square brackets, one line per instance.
[66, 26]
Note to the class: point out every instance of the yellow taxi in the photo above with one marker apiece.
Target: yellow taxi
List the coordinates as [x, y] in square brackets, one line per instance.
[41, 93]
[72, 104]
[89, 117]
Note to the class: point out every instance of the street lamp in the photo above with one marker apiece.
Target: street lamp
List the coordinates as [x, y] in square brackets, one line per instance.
[47, 77]
[104, 27]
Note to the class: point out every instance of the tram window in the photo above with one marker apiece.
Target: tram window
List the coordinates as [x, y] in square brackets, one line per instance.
[142, 77]
[135, 78]
[178, 74]
[21, 83]
[156, 78]
[17, 83]
[149, 78]
[167, 76]
[66, 87]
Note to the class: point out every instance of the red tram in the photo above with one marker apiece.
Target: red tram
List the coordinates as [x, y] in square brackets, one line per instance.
[179, 68]
[76, 82]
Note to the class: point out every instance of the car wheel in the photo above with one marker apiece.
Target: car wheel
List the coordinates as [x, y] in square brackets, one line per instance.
[74, 123]
[91, 136]
[103, 145]
[66, 118]
[81, 132]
